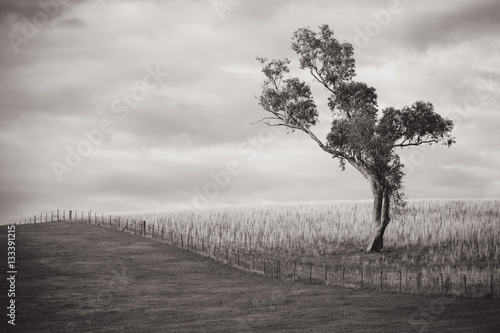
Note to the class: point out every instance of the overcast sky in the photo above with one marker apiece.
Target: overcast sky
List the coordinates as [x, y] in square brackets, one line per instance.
[129, 106]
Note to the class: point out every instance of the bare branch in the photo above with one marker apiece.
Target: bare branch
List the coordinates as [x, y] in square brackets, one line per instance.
[263, 119]
[317, 75]
[324, 147]
[282, 125]
[416, 143]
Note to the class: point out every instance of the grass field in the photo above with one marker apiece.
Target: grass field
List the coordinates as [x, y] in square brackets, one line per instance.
[453, 236]
[75, 277]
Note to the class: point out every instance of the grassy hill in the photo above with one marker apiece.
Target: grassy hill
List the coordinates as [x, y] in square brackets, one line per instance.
[73, 277]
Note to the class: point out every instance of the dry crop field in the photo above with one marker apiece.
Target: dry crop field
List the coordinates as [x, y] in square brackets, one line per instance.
[76, 277]
[451, 236]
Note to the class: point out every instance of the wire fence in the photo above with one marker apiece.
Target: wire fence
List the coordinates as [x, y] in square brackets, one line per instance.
[411, 282]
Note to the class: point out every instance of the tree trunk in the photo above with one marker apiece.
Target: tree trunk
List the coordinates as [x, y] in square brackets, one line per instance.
[381, 218]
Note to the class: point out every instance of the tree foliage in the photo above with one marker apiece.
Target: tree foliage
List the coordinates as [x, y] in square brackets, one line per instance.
[360, 134]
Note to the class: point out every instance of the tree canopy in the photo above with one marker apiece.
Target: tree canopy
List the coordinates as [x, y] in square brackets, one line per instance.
[360, 134]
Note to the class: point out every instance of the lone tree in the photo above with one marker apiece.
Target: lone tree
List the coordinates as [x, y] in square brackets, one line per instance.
[359, 135]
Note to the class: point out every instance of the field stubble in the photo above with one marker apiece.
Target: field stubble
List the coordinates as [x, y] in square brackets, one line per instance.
[449, 236]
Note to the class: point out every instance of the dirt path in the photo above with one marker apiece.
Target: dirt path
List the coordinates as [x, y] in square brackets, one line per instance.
[73, 277]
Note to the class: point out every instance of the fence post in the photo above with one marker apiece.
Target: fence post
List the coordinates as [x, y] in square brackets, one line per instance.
[264, 266]
[58, 215]
[238, 253]
[202, 245]
[465, 284]
[277, 269]
[34, 219]
[144, 223]
[64, 215]
[119, 227]
[381, 279]
[162, 231]
[400, 279]
[310, 272]
[110, 221]
[214, 250]
[182, 241]
[418, 281]
[46, 216]
[442, 283]
[294, 266]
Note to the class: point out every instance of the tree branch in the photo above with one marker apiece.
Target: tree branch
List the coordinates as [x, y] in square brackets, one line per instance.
[263, 120]
[320, 79]
[335, 153]
[417, 143]
[360, 166]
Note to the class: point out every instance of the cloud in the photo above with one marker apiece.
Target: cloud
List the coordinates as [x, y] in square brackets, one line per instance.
[72, 23]
[452, 24]
[68, 76]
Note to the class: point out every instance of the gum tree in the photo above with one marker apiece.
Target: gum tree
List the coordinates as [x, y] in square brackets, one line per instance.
[360, 134]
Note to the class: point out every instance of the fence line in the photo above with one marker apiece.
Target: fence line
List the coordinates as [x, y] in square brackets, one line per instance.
[470, 285]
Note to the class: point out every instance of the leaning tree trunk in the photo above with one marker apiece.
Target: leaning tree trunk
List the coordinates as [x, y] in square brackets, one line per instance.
[381, 218]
